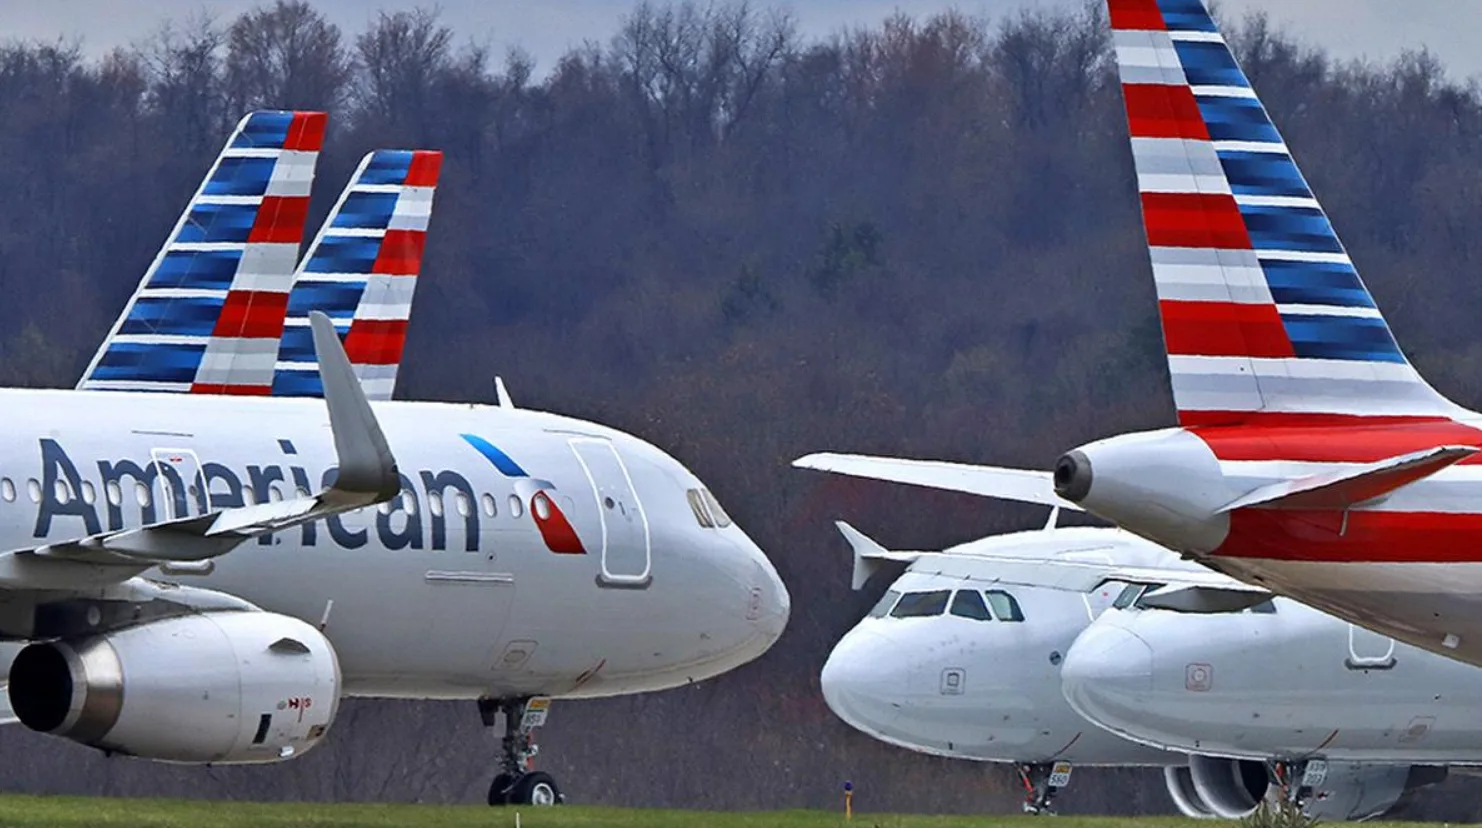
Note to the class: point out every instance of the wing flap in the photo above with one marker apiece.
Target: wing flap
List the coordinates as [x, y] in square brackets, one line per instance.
[1353, 485]
[1022, 485]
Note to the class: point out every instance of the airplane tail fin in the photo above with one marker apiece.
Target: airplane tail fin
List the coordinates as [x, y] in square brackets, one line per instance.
[1264, 315]
[362, 272]
[208, 313]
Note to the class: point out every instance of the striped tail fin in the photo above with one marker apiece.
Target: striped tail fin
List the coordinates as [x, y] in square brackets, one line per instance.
[362, 272]
[1264, 315]
[207, 316]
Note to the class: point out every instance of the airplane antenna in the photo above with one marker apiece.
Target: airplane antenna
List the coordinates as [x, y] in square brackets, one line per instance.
[502, 394]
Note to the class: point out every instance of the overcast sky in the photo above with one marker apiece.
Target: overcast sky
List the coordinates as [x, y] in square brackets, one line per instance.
[1373, 29]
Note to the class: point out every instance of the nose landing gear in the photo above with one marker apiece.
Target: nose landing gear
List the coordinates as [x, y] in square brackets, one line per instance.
[516, 783]
[1042, 781]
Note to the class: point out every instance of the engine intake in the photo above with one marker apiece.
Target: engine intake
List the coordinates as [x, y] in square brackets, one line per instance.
[231, 687]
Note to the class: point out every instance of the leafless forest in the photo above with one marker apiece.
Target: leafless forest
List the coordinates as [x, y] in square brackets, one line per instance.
[744, 244]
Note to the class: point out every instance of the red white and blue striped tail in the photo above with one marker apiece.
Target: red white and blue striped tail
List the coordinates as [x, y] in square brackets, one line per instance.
[207, 316]
[1264, 315]
[362, 272]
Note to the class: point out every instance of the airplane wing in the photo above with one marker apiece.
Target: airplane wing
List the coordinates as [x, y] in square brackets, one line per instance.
[367, 475]
[1356, 484]
[1023, 485]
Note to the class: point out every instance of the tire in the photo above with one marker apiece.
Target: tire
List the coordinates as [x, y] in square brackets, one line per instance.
[536, 788]
[499, 790]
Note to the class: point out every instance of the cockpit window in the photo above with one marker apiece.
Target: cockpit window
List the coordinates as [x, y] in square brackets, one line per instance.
[921, 604]
[883, 605]
[697, 505]
[1005, 606]
[1128, 595]
[722, 519]
[968, 603]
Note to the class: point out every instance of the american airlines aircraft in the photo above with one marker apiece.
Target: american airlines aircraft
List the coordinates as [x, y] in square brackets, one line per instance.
[201, 577]
[1310, 456]
[964, 658]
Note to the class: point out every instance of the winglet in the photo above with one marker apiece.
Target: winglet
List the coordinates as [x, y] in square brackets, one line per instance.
[502, 394]
[366, 465]
[869, 556]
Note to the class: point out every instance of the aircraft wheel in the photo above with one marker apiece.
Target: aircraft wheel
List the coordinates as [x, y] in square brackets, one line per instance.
[499, 790]
[535, 788]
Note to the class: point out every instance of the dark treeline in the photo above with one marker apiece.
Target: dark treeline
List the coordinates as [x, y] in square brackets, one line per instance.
[743, 244]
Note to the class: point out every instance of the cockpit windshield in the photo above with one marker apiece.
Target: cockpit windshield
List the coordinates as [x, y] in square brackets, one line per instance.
[922, 604]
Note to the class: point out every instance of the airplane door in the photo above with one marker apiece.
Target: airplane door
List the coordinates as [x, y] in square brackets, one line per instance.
[625, 538]
[179, 487]
[1368, 650]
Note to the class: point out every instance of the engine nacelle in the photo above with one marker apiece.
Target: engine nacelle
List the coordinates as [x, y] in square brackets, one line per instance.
[1210, 788]
[229, 687]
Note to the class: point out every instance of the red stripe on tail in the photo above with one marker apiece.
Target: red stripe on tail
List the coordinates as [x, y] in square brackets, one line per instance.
[376, 341]
[424, 169]
[400, 253]
[1223, 329]
[306, 132]
[1136, 14]
[1194, 220]
[231, 390]
[252, 314]
[280, 220]
[1160, 111]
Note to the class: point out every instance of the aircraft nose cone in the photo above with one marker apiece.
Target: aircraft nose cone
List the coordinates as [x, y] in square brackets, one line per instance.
[858, 681]
[1107, 671]
[770, 603]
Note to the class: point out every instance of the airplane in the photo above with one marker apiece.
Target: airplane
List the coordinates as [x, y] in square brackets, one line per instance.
[201, 577]
[1310, 457]
[969, 650]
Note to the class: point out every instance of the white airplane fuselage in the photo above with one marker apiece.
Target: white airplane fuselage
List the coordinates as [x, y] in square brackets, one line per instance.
[568, 561]
[1287, 684]
[987, 690]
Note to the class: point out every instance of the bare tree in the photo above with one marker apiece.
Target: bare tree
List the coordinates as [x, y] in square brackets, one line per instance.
[286, 56]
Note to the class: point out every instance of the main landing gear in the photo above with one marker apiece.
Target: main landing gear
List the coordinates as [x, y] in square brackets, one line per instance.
[517, 783]
[1042, 780]
[1296, 781]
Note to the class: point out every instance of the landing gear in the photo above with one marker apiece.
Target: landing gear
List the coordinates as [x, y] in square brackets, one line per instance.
[1042, 780]
[1297, 781]
[517, 783]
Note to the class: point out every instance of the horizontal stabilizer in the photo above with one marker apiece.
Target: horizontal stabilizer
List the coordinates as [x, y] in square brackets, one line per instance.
[869, 556]
[1022, 485]
[1354, 484]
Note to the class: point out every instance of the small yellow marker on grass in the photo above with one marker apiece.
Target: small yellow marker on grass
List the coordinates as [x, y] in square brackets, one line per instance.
[848, 800]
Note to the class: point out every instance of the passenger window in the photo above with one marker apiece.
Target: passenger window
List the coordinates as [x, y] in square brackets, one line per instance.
[7, 490]
[697, 505]
[64, 492]
[435, 504]
[884, 605]
[921, 604]
[115, 492]
[89, 494]
[721, 518]
[33, 489]
[1005, 606]
[491, 506]
[463, 504]
[409, 501]
[516, 508]
[968, 603]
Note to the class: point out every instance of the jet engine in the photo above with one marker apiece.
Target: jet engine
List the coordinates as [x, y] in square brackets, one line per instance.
[1210, 788]
[231, 687]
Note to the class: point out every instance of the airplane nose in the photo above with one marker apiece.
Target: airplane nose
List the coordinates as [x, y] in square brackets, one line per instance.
[1107, 671]
[770, 604]
[858, 681]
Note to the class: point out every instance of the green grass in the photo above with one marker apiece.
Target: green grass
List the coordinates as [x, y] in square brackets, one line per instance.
[42, 811]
